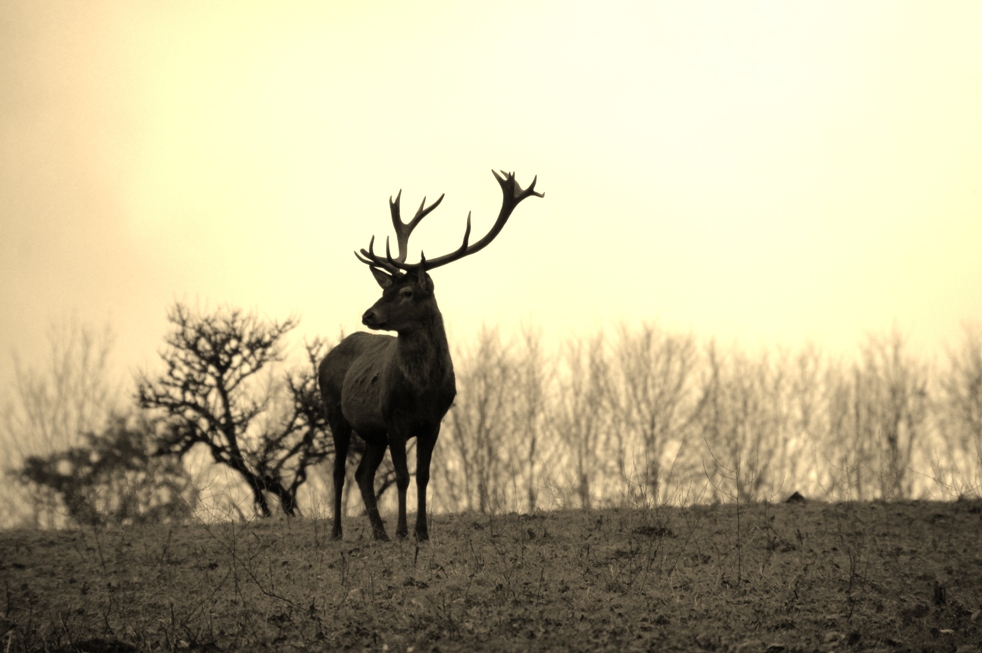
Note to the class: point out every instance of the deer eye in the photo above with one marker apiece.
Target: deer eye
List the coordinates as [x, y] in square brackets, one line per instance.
[406, 293]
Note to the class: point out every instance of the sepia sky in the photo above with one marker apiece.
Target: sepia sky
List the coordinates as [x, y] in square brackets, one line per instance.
[770, 172]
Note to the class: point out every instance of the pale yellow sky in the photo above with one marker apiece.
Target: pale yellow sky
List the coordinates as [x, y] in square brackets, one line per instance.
[772, 172]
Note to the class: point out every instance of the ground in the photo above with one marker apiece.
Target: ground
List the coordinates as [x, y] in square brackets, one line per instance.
[764, 577]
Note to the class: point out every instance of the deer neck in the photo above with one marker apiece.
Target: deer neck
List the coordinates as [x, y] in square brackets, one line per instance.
[424, 354]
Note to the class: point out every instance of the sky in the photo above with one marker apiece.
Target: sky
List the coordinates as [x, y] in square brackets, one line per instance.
[771, 173]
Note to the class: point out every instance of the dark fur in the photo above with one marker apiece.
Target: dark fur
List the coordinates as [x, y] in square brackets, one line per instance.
[390, 389]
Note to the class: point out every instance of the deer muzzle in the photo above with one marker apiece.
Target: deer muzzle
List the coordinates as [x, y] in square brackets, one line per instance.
[372, 319]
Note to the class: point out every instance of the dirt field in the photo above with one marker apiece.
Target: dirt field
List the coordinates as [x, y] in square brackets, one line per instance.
[769, 578]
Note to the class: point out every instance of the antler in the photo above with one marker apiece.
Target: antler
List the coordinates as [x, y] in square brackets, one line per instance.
[512, 194]
[403, 230]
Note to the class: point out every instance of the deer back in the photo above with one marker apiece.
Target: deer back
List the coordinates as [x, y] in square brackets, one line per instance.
[349, 381]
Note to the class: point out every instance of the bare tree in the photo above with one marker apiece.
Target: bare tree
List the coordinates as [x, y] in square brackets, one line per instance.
[480, 422]
[50, 407]
[896, 398]
[214, 396]
[295, 440]
[743, 421]
[799, 455]
[496, 448]
[653, 402]
[532, 375]
[846, 434]
[877, 416]
[961, 401]
[580, 417]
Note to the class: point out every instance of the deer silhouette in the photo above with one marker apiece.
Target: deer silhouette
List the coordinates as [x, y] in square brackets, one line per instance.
[390, 389]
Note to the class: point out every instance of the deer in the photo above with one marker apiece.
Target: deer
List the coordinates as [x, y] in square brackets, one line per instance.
[390, 389]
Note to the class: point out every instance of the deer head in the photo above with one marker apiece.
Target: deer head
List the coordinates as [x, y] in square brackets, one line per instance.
[407, 301]
[407, 290]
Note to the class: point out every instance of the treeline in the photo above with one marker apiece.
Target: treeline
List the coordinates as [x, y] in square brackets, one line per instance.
[653, 416]
[637, 415]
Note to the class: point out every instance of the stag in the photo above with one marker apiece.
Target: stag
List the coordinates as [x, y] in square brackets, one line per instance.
[390, 389]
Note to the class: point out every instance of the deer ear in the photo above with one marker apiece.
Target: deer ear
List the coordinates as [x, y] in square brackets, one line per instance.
[384, 279]
[423, 279]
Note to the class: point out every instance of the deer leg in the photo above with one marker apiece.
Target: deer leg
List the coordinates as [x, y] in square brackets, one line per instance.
[424, 451]
[342, 437]
[398, 447]
[365, 475]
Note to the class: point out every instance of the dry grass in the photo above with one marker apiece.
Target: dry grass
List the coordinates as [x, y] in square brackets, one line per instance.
[769, 578]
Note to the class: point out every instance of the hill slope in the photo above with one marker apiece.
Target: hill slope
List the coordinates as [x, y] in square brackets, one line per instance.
[761, 577]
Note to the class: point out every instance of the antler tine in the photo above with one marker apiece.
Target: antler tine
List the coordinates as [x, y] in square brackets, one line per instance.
[371, 258]
[519, 194]
[399, 227]
[405, 229]
[460, 252]
[422, 213]
[512, 194]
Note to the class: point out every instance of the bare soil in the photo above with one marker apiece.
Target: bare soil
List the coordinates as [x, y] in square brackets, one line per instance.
[762, 577]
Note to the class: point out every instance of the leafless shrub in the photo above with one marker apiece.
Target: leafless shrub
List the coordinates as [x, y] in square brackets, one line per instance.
[114, 477]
